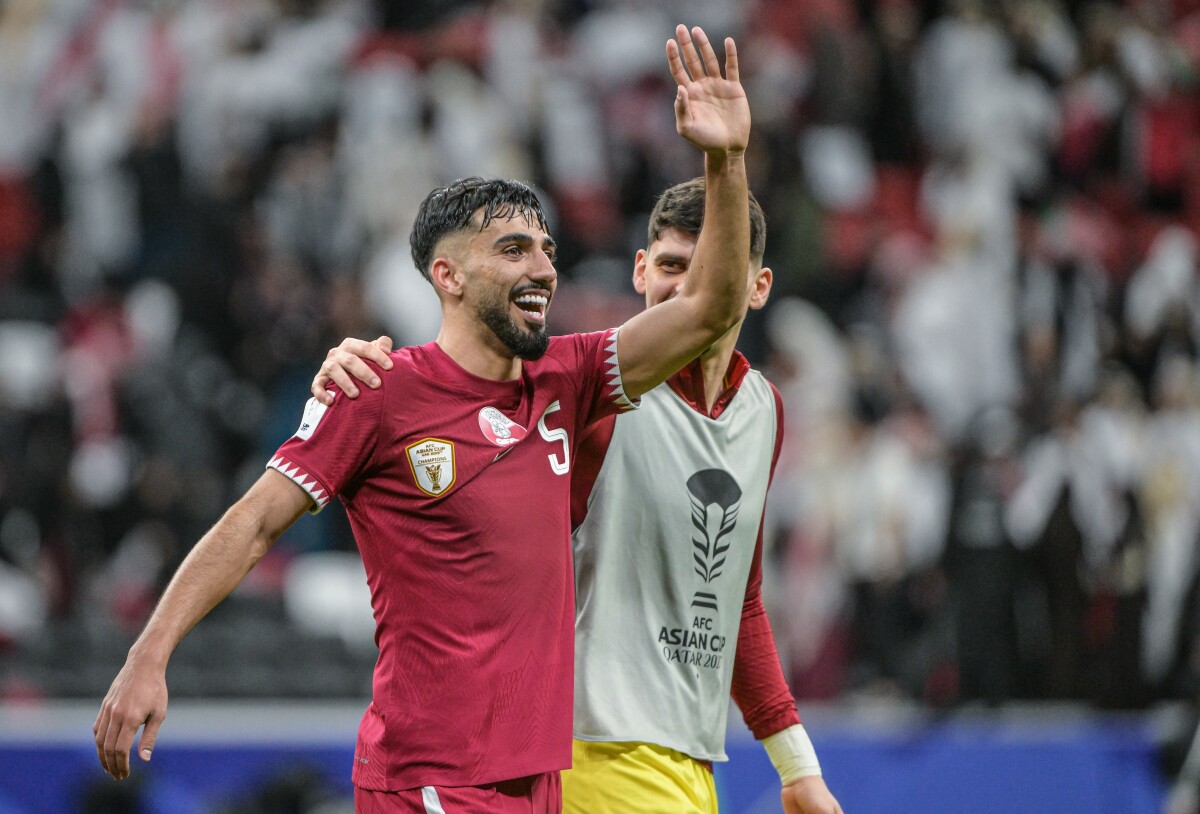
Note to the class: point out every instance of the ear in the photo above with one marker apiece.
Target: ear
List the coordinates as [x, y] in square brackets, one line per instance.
[762, 288]
[447, 276]
[639, 272]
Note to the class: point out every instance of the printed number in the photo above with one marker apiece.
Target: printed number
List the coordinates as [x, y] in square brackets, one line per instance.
[558, 434]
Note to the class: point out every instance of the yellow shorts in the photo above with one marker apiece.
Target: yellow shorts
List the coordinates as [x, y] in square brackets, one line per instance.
[639, 778]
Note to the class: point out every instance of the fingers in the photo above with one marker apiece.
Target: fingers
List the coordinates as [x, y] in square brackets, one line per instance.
[690, 58]
[116, 760]
[347, 370]
[333, 372]
[100, 730]
[384, 343]
[317, 388]
[369, 350]
[707, 54]
[676, 64]
[150, 734]
[344, 364]
[681, 107]
[124, 743]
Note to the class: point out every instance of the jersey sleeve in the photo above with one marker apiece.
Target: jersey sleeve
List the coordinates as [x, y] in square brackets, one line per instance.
[333, 444]
[759, 688]
[602, 393]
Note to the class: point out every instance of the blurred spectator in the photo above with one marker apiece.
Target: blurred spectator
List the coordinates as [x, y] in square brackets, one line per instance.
[982, 561]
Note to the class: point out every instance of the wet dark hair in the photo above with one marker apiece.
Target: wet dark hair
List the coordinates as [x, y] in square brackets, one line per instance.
[452, 208]
[682, 207]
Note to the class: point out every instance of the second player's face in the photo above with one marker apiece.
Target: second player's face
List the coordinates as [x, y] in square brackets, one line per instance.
[660, 270]
[663, 267]
[514, 280]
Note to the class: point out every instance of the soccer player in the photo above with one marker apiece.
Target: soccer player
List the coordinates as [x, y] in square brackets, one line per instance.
[666, 509]
[454, 474]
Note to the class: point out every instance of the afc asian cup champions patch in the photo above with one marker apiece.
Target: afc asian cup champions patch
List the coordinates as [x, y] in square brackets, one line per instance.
[432, 463]
[313, 412]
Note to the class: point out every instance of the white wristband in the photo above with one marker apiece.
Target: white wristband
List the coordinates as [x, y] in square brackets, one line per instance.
[792, 753]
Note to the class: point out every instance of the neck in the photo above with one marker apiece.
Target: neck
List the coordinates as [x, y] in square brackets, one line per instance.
[714, 362]
[477, 355]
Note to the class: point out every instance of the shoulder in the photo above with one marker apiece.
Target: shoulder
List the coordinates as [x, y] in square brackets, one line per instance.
[571, 351]
[408, 364]
[405, 369]
[584, 342]
[408, 359]
[765, 400]
[762, 390]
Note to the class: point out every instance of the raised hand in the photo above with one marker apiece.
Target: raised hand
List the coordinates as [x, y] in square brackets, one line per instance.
[711, 111]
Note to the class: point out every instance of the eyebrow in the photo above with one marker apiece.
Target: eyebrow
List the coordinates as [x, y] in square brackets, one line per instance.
[524, 239]
[671, 257]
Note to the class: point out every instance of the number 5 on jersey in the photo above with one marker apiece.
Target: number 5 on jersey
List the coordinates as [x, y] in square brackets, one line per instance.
[560, 467]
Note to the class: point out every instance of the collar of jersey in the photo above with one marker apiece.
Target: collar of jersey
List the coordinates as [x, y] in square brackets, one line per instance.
[443, 363]
[688, 384]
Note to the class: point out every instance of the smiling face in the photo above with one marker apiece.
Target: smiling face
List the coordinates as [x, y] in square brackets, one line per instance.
[661, 269]
[507, 280]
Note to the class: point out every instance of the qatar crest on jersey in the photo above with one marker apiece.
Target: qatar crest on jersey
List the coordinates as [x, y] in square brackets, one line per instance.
[499, 428]
[432, 463]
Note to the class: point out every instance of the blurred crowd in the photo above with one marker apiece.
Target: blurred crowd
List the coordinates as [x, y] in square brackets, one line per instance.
[982, 219]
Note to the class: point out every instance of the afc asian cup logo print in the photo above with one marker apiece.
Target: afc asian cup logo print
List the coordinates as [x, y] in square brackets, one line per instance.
[711, 488]
[499, 428]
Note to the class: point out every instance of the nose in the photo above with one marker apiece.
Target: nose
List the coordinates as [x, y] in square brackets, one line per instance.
[543, 270]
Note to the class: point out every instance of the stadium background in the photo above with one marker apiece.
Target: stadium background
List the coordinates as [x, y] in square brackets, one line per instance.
[983, 225]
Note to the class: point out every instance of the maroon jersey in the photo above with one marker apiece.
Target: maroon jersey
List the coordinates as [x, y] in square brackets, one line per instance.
[457, 489]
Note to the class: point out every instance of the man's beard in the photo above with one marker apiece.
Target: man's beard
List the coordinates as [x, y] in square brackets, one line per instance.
[525, 343]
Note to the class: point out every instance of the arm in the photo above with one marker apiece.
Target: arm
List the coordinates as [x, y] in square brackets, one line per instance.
[767, 705]
[216, 565]
[712, 113]
[759, 688]
[762, 694]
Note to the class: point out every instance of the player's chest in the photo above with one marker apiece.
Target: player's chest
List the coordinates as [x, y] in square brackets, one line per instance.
[666, 435]
[517, 447]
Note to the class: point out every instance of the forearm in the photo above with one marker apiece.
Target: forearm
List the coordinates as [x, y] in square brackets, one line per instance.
[211, 571]
[659, 341]
[759, 687]
[138, 695]
[717, 284]
[218, 562]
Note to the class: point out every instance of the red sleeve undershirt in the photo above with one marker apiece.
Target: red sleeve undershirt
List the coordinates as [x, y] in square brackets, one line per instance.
[759, 688]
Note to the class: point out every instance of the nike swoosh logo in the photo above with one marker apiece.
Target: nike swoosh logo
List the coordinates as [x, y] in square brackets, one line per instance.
[501, 454]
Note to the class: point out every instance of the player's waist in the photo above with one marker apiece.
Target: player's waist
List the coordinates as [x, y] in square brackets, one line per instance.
[600, 753]
[696, 732]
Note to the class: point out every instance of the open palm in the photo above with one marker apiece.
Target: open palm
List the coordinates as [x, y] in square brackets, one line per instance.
[711, 111]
